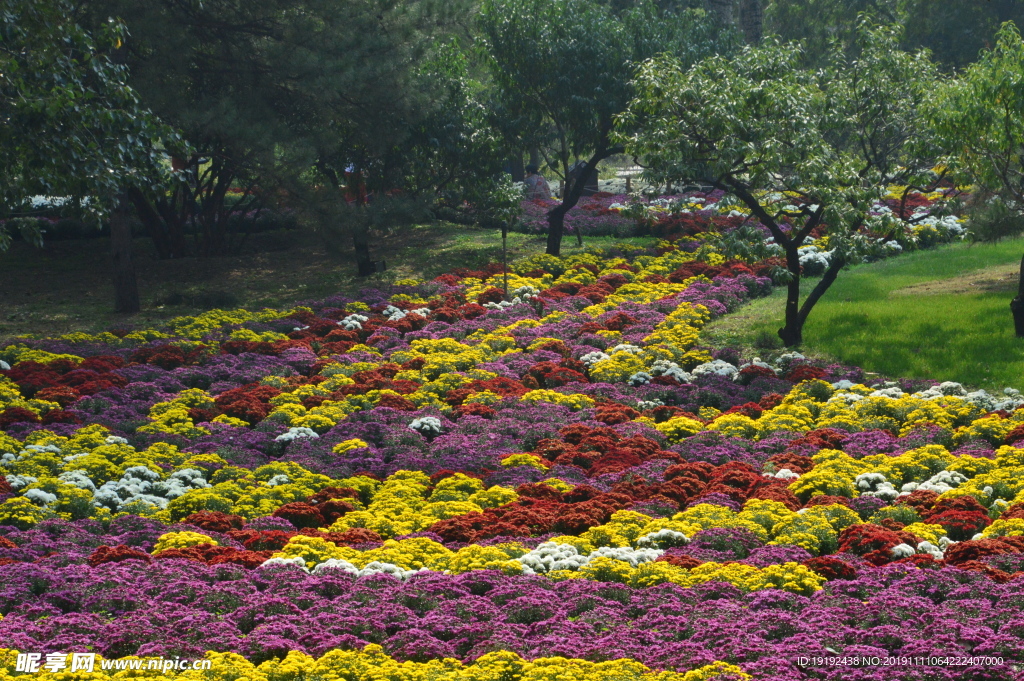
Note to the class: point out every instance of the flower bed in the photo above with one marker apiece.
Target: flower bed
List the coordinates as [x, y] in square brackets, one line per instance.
[902, 221]
[563, 485]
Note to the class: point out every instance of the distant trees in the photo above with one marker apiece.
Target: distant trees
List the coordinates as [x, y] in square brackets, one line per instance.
[980, 117]
[71, 127]
[954, 30]
[275, 93]
[562, 69]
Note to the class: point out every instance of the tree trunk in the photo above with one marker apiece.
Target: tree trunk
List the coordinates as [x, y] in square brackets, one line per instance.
[1017, 304]
[504, 256]
[556, 225]
[820, 288]
[570, 197]
[751, 21]
[167, 234]
[361, 241]
[516, 168]
[792, 333]
[126, 287]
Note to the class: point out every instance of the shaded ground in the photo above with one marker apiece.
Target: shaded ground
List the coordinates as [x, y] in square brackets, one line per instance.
[66, 286]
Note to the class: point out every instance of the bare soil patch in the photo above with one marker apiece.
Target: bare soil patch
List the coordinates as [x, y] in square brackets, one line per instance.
[998, 279]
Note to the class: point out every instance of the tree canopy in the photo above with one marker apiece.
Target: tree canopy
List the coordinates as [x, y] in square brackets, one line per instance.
[980, 117]
[70, 125]
[275, 93]
[954, 30]
[805, 152]
[563, 70]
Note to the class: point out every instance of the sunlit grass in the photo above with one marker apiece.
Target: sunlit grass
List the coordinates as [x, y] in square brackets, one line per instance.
[941, 314]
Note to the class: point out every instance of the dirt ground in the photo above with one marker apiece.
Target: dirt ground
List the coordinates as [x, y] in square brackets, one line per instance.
[999, 279]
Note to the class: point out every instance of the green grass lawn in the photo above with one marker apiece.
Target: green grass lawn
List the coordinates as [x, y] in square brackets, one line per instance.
[941, 314]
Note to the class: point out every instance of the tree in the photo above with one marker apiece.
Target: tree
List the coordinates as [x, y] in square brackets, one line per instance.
[453, 152]
[274, 94]
[505, 204]
[979, 118]
[748, 15]
[805, 152]
[563, 69]
[69, 124]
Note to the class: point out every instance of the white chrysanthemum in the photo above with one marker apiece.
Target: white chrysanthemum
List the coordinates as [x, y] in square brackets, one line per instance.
[379, 567]
[551, 556]
[296, 433]
[902, 551]
[592, 358]
[892, 393]
[625, 553]
[664, 367]
[426, 424]
[296, 561]
[784, 360]
[353, 322]
[640, 378]
[40, 496]
[663, 539]
[335, 564]
[718, 366]
[941, 482]
[19, 481]
[78, 478]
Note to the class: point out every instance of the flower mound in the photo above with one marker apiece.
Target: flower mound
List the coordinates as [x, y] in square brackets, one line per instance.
[437, 482]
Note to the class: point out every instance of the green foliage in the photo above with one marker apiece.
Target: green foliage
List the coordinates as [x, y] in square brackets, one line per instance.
[564, 67]
[69, 124]
[939, 314]
[956, 30]
[338, 221]
[563, 71]
[900, 513]
[505, 201]
[453, 151]
[953, 30]
[980, 117]
[808, 148]
[818, 24]
[994, 218]
[269, 89]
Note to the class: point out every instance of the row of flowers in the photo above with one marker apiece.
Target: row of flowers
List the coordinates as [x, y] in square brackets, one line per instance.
[372, 664]
[905, 219]
[182, 609]
[348, 473]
